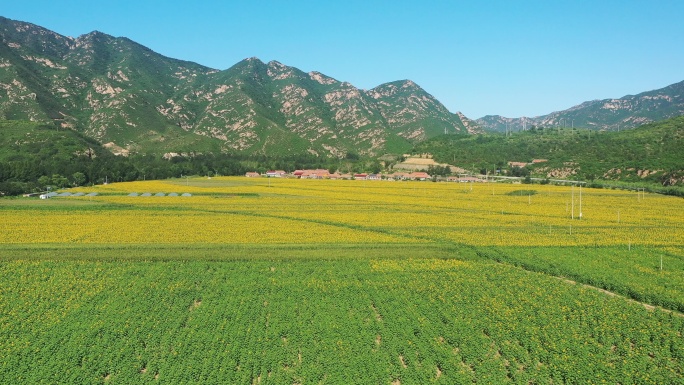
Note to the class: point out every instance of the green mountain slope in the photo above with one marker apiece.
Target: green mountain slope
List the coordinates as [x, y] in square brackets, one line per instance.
[604, 115]
[22, 141]
[650, 152]
[133, 99]
[31, 151]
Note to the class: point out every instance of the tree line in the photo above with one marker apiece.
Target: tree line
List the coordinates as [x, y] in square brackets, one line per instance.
[30, 174]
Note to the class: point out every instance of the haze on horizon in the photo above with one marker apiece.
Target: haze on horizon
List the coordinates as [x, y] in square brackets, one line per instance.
[505, 58]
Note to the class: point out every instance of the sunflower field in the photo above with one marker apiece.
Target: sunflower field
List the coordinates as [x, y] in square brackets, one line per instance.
[286, 281]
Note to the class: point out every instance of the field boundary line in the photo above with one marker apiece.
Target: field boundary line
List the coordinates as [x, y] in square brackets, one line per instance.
[568, 281]
[614, 294]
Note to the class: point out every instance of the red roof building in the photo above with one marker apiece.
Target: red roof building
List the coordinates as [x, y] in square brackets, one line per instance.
[419, 175]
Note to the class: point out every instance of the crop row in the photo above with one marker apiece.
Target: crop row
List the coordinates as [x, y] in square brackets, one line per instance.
[354, 321]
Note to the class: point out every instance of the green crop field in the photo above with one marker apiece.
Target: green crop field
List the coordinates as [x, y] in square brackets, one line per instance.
[341, 282]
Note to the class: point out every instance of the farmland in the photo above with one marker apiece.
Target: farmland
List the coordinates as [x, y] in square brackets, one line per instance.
[280, 281]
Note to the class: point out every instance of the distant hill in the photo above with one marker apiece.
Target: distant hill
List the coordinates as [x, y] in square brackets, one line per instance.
[125, 95]
[651, 152]
[603, 115]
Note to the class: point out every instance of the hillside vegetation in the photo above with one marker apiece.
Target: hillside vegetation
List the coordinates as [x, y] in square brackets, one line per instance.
[117, 91]
[605, 115]
[34, 156]
[650, 153]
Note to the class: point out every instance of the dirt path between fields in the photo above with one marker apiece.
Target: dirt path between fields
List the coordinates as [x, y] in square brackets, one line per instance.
[612, 294]
[604, 291]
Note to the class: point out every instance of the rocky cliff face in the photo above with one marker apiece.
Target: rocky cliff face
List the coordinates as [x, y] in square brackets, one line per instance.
[605, 115]
[121, 93]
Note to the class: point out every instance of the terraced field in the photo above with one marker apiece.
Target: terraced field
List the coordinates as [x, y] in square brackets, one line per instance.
[341, 282]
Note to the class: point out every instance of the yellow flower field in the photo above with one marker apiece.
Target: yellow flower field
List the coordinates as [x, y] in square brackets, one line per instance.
[234, 210]
[280, 280]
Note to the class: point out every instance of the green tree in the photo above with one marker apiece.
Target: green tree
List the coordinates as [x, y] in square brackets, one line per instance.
[352, 156]
[44, 181]
[79, 178]
[375, 167]
[59, 180]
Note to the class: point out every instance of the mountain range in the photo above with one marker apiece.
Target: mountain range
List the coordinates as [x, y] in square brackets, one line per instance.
[132, 99]
[650, 153]
[605, 115]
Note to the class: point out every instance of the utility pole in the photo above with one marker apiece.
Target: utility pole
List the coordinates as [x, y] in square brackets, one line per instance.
[580, 208]
[572, 216]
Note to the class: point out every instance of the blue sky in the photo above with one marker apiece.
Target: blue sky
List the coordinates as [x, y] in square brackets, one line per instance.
[512, 58]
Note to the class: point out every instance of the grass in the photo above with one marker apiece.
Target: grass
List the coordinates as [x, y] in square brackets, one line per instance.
[226, 253]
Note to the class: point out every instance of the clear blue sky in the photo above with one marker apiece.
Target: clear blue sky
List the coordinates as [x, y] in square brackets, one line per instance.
[510, 57]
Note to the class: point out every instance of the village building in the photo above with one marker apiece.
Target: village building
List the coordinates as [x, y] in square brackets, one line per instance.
[464, 179]
[398, 176]
[252, 175]
[419, 175]
[276, 173]
[314, 174]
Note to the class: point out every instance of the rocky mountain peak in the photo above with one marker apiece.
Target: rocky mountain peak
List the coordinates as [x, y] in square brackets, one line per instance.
[322, 79]
[409, 84]
[276, 65]
[252, 61]
[279, 71]
[32, 38]
[117, 91]
[95, 35]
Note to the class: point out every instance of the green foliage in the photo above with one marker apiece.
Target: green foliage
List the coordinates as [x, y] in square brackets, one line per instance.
[351, 156]
[79, 178]
[631, 271]
[433, 311]
[520, 193]
[439, 170]
[277, 315]
[34, 156]
[650, 153]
